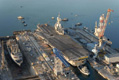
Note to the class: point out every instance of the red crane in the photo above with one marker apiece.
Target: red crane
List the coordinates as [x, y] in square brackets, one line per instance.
[101, 34]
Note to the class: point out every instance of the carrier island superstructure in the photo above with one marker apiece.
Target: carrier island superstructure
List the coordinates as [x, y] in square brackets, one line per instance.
[55, 36]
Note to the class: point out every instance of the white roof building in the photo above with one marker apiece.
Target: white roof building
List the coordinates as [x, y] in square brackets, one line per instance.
[112, 58]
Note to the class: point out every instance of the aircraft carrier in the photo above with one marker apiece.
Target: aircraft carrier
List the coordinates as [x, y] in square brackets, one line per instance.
[74, 53]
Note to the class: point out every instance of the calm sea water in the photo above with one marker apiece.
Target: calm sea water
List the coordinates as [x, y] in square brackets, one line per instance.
[41, 11]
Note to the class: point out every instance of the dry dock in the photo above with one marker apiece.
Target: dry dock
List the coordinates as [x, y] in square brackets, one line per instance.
[35, 66]
[5, 73]
[34, 49]
[33, 55]
[11, 71]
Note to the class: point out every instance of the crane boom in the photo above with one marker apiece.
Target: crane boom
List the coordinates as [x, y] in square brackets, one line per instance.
[101, 34]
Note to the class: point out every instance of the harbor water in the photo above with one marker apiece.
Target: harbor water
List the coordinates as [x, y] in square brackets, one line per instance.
[94, 75]
[42, 11]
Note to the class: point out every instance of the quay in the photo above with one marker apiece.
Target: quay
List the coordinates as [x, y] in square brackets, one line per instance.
[20, 32]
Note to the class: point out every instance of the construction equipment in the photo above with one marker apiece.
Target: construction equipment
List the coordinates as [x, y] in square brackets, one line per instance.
[103, 27]
[99, 32]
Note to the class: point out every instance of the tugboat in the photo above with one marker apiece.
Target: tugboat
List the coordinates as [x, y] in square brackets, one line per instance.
[65, 19]
[14, 51]
[25, 24]
[23, 21]
[78, 24]
[83, 69]
[53, 18]
[20, 17]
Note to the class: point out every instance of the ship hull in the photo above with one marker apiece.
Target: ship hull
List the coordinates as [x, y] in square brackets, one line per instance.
[73, 62]
[85, 73]
[12, 56]
[71, 51]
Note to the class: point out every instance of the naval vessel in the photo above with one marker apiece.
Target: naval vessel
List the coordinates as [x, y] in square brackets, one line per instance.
[83, 69]
[55, 36]
[14, 51]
